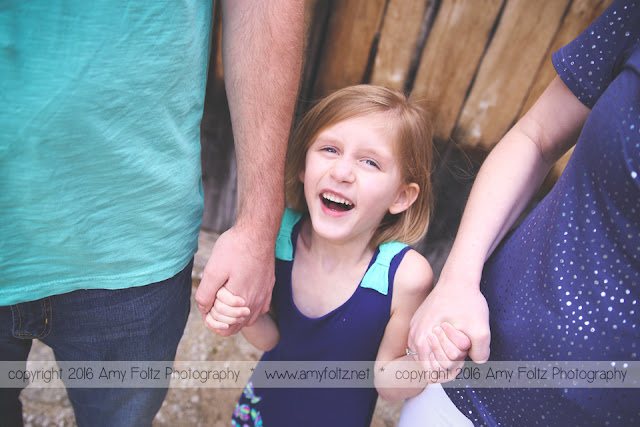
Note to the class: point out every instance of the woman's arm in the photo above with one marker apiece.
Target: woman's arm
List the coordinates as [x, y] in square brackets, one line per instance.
[509, 177]
[413, 281]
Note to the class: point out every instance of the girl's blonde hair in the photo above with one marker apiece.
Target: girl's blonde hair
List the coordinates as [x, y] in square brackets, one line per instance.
[413, 137]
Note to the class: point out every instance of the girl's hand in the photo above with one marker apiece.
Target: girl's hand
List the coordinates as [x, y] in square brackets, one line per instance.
[449, 349]
[228, 309]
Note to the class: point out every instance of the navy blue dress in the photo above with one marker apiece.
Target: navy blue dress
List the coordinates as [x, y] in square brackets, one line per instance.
[564, 286]
[351, 332]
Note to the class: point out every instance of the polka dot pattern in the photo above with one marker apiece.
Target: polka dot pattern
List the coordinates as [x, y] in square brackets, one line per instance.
[565, 284]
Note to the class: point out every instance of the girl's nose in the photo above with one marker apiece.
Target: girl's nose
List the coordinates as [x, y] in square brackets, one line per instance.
[343, 170]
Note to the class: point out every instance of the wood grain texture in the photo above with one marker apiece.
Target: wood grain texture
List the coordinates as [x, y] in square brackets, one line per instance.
[401, 28]
[523, 35]
[350, 34]
[454, 48]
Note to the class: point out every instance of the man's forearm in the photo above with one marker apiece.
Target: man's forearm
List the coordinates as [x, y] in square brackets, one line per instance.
[262, 56]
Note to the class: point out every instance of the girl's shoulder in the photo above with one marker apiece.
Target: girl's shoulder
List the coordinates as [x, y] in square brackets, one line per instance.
[414, 275]
[284, 241]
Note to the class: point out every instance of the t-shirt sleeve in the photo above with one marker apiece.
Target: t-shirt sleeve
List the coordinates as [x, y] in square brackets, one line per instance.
[592, 60]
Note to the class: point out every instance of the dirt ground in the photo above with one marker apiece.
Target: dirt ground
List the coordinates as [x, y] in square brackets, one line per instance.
[210, 407]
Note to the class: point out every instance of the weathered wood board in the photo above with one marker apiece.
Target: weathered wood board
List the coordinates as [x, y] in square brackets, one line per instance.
[455, 46]
[523, 35]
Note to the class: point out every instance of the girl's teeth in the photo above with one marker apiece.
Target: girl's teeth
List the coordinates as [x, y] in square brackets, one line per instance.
[336, 199]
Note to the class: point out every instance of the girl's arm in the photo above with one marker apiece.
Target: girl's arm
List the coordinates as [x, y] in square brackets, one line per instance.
[229, 309]
[506, 182]
[264, 334]
[413, 282]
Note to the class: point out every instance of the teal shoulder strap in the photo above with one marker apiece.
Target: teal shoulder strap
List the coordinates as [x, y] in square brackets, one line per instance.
[284, 246]
[377, 277]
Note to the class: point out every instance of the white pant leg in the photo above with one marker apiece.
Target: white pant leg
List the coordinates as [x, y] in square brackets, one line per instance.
[432, 408]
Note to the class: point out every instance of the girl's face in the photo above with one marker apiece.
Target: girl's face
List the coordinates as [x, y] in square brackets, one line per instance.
[352, 178]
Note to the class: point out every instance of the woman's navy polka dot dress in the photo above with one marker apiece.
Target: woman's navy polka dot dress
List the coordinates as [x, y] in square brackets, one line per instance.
[565, 284]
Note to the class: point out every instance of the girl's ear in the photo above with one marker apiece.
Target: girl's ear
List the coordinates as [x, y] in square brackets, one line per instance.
[405, 198]
[301, 175]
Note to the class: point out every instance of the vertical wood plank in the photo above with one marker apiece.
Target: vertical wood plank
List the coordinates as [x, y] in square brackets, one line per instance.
[523, 35]
[352, 29]
[316, 17]
[400, 30]
[451, 56]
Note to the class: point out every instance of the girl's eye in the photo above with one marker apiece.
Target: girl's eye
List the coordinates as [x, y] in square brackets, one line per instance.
[372, 163]
[329, 149]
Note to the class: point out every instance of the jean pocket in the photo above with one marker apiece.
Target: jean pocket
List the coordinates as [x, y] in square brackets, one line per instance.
[32, 319]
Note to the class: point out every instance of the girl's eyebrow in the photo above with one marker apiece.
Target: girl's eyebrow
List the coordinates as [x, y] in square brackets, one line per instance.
[378, 154]
[327, 137]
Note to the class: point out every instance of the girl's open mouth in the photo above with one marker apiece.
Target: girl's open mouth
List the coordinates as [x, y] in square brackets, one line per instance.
[336, 203]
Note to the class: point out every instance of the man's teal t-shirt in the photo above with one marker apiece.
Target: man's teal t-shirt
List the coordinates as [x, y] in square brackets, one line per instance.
[100, 110]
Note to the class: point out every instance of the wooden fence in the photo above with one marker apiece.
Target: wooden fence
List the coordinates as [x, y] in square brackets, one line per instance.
[477, 65]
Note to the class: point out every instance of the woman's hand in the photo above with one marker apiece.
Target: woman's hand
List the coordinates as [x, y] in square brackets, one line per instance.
[462, 306]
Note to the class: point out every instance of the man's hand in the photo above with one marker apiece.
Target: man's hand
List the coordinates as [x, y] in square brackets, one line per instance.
[464, 307]
[245, 266]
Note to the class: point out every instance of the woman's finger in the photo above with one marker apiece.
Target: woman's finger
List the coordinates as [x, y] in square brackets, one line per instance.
[450, 348]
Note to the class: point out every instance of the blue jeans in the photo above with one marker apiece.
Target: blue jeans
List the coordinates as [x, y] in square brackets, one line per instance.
[140, 323]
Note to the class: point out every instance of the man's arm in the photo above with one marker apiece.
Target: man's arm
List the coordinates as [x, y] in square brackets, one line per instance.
[506, 182]
[262, 58]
